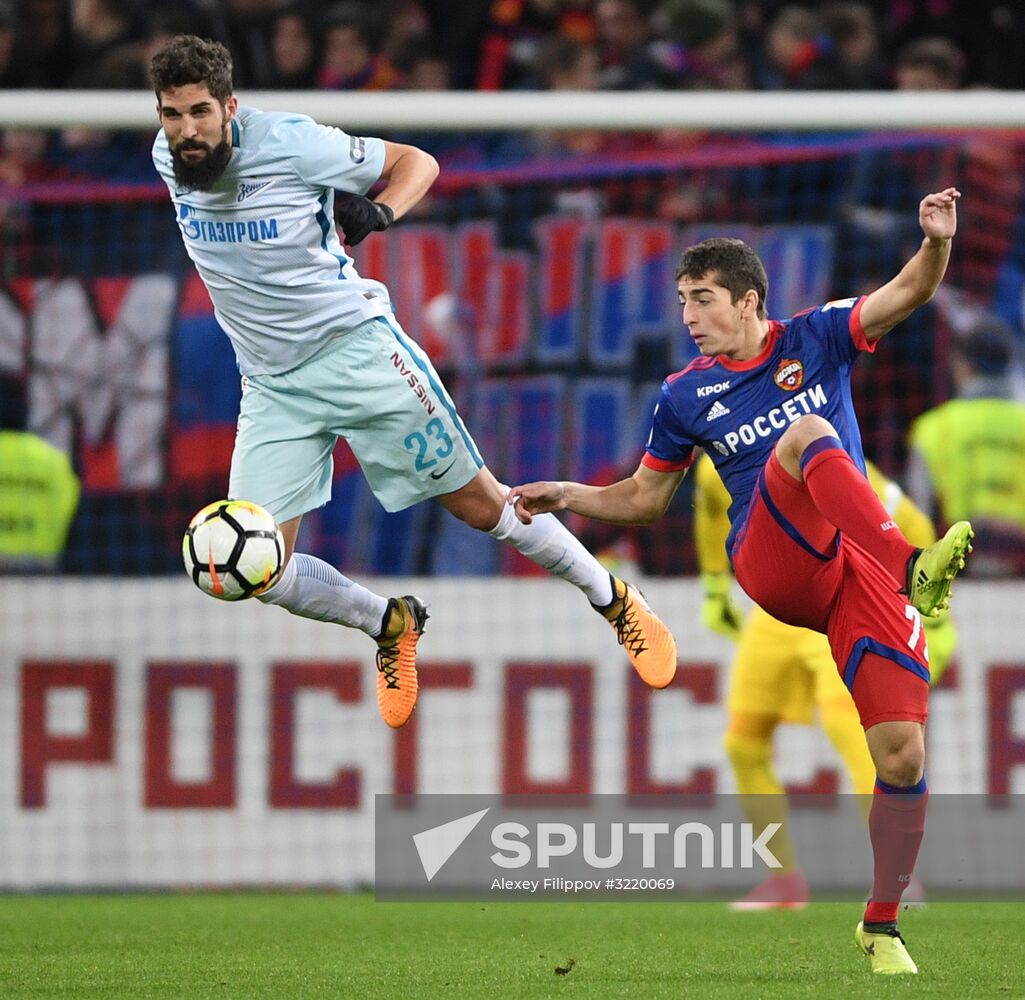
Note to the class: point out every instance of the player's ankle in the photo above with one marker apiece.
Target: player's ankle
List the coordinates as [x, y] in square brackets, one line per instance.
[391, 621]
[611, 610]
[880, 927]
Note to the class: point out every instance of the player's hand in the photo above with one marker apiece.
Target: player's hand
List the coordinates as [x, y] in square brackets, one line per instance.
[536, 498]
[359, 217]
[937, 214]
[718, 610]
[941, 637]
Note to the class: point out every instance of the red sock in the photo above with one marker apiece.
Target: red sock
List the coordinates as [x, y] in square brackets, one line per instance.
[846, 499]
[895, 824]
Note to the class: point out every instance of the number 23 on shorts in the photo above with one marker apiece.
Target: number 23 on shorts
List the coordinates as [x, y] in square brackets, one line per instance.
[429, 446]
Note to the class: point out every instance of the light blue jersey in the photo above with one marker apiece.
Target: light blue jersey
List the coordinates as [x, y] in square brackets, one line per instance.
[264, 241]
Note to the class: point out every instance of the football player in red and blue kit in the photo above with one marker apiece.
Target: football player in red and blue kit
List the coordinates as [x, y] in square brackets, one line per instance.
[770, 401]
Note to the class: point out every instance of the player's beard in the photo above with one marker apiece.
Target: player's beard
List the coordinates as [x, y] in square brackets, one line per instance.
[201, 174]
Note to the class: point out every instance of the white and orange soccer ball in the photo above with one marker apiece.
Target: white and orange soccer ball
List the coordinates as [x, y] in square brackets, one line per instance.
[233, 549]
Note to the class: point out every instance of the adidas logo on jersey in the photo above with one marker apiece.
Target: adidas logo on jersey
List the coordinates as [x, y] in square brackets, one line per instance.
[717, 410]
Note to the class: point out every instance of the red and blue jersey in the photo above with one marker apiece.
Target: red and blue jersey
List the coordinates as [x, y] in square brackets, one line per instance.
[738, 410]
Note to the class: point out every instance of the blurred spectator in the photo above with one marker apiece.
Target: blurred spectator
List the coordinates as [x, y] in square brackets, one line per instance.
[405, 23]
[968, 454]
[99, 28]
[711, 56]
[422, 66]
[456, 29]
[44, 29]
[126, 66]
[351, 60]
[858, 64]
[798, 53]
[631, 59]
[244, 26]
[515, 29]
[929, 64]
[295, 50]
[564, 64]
[39, 491]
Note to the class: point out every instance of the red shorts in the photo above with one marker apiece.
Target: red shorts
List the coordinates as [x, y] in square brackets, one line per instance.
[793, 563]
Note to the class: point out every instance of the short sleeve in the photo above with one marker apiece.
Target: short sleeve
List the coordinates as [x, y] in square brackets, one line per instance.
[325, 156]
[669, 448]
[838, 325]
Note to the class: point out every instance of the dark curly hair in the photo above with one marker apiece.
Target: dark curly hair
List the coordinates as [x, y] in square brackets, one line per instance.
[733, 263]
[188, 59]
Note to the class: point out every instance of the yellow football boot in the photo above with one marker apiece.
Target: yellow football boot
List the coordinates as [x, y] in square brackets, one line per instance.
[886, 952]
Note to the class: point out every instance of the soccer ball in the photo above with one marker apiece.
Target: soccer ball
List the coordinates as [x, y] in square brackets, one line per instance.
[233, 549]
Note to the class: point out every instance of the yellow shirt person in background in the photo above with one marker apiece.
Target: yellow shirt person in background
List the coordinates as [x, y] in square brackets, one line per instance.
[38, 490]
[781, 673]
[967, 455]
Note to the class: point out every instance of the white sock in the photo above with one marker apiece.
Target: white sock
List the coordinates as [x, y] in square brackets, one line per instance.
[312, 588]
[548, 543]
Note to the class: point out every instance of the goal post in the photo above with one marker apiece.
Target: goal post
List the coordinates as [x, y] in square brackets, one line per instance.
[496, 111]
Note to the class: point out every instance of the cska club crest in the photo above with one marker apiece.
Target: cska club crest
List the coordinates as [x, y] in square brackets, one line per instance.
[790, 374]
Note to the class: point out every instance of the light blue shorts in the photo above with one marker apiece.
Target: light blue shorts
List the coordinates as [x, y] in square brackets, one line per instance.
[377, 389]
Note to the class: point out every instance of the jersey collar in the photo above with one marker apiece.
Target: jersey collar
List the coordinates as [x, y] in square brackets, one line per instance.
[775, 329]
[235, 134]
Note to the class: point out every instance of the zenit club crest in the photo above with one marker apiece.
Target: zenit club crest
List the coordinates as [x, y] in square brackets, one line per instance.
[790, 374]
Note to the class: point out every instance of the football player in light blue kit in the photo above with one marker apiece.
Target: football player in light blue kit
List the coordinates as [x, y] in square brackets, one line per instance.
[323, 357]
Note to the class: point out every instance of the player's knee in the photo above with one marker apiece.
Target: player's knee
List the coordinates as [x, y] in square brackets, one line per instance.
[801, 433]
[903, 767]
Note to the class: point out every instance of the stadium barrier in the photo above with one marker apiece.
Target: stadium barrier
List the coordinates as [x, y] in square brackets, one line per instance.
[157, 738]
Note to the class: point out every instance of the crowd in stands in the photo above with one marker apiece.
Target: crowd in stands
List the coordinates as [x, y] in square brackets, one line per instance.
[501, 44]
[587, 45]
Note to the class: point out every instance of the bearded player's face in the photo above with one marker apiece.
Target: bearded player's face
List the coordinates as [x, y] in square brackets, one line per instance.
[198, 130]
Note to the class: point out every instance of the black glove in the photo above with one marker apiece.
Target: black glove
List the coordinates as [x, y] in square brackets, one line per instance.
[359, 217]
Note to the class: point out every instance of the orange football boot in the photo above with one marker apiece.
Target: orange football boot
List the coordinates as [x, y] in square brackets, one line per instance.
[397, 684]
[645, 637]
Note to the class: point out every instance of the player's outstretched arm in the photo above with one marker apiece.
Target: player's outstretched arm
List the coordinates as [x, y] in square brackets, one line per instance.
[921, 276]
[641, 499]
[409, 173]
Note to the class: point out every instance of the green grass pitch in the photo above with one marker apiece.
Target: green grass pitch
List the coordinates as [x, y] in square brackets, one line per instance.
[292, 946]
